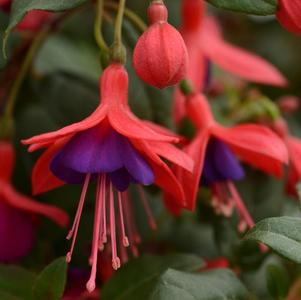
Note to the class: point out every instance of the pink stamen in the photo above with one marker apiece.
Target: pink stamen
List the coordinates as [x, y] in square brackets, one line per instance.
[125, 240]
[74, 229]
[96, 232]
[104, 218]
[103, 224]
[241, 208]
[150, 217]
[115, 258]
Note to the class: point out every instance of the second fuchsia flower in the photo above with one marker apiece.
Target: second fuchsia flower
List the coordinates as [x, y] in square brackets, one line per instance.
[160, 56]
[115, 149]
[216, 151]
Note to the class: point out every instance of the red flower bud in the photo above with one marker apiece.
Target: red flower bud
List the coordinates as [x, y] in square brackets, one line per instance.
[160, 56]
[288, 104]
[289, 15]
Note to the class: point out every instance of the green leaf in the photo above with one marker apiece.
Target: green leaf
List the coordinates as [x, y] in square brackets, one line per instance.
[256, 7]
[137, 278]
[15, 282]
[21, 8]
[212, 285]
[51, 282]
[277, 282]
[282, 234]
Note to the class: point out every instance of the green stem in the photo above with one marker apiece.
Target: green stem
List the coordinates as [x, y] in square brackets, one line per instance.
[118, 23]
[34, 47]
[129, 14]
[98, 27]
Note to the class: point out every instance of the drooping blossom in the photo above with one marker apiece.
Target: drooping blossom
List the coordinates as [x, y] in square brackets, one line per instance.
[160, 56]
[294, 150]
[289, 15]
[205, 44]
[32, 21]
[217, 152]
[113, 148]
[17, 212]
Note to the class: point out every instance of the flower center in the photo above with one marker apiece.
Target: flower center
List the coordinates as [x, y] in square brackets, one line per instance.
[101, 150]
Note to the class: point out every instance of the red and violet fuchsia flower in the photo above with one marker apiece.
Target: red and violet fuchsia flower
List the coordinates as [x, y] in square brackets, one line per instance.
[18, 212]
[114, 148]
[289, 15]
[205, 45]
[33, 19]
[214, 151]
[160, 56]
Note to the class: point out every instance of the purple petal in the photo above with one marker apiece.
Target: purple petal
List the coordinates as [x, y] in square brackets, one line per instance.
[136, 165]
[64, 173]
[101, 150]
[221, 164]
[95, 150]
[120, 179]
[17, 233]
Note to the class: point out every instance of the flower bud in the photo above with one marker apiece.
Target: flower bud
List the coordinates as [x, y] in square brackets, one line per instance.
[288, 104]
[160, 56]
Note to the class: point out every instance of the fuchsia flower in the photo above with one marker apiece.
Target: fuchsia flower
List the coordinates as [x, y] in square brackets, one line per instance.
[205, 44]
[215, 150]
[116, 149]
[160, 56]
[17, 229]
[289, 15]
[32, 21]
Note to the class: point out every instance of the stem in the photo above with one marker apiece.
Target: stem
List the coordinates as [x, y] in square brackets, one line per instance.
[133, 17]
[118, 22]
[34, 47]
[98, 27]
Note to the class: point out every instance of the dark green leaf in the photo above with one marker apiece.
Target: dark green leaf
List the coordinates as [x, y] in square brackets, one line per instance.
[137, 278]
[15, 282]
[216, 284]
[51, 282]
[277, 282]
[256, 7]
[282, 234]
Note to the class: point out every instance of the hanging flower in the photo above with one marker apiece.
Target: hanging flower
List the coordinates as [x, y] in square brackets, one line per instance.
[114, 148]
[205, 45]
[289, 15]
[216, 150]
[160, 56]
[17, 228]
[32, 21]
